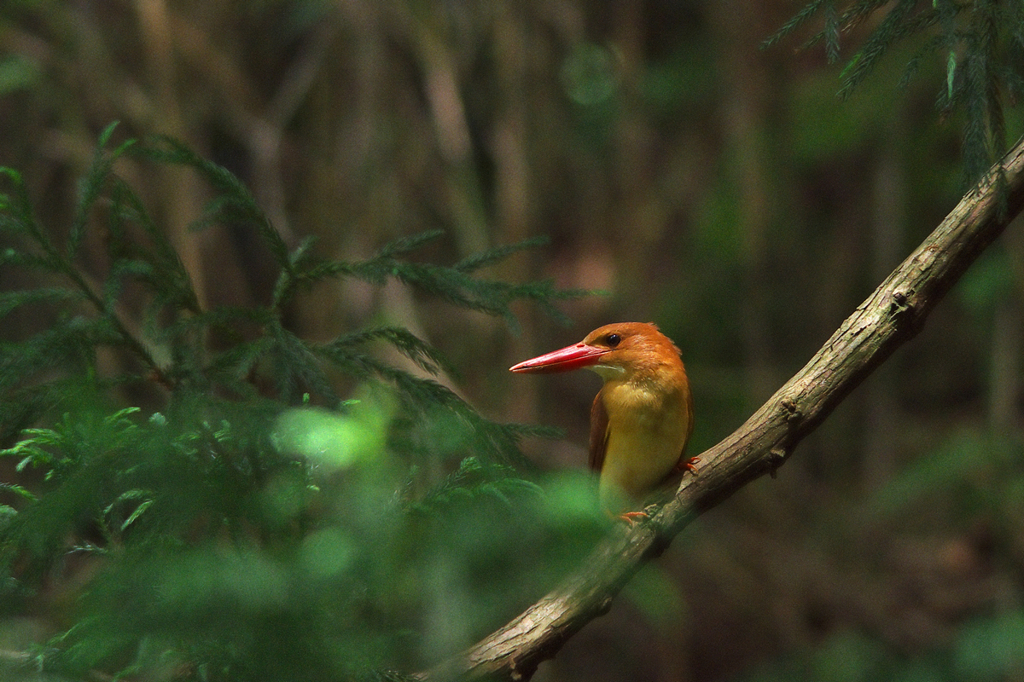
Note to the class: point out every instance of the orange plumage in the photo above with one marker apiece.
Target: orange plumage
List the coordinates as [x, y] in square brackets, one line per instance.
[642, 417]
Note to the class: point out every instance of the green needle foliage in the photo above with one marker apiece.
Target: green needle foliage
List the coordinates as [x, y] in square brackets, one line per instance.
[250, 524]
[980, 43]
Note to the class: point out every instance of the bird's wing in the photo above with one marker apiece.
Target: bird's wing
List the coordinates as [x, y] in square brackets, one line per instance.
[598, 433]
[688, 408]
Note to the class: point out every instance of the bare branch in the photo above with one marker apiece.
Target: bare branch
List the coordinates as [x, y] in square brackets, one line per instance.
[893, 314]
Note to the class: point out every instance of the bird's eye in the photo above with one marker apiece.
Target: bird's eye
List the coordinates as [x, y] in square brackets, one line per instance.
[613, 340]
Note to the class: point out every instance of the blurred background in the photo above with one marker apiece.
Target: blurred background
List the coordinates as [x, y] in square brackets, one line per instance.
[717, 188]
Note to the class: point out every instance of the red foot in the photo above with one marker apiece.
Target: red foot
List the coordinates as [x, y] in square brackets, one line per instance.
[633, 517]
[690, 465]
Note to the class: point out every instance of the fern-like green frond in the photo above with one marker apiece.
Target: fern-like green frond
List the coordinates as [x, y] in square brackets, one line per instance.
[16, 214]
[220, 542]
[402, 340]
[474, 478]
[893, 28]
[166, 277]
[12, 300]
[234, 203]
[806, 13]
[498, 254]
[980, 43]
[91, 186]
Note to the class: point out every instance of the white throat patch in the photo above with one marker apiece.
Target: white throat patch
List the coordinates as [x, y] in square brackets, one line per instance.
[607, 372]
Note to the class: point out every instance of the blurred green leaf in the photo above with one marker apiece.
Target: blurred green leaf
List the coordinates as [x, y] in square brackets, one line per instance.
[990, 648]
[17, 73]
[988, 282]
[338, 440]
[590, 74]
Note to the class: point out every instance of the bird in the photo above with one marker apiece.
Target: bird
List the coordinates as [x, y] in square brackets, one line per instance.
[641, 419]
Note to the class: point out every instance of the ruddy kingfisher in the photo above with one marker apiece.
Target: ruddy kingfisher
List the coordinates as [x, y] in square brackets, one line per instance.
[643, 415]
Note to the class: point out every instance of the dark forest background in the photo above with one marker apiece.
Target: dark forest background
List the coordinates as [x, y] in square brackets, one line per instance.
[697, 180]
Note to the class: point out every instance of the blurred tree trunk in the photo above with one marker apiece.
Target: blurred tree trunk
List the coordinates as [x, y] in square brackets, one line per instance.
[1005, 372]
[509, 146]
[740, 26]
[182, 189]
[1006, 383]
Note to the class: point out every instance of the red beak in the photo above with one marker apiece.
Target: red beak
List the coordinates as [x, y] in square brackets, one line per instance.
[562, 360]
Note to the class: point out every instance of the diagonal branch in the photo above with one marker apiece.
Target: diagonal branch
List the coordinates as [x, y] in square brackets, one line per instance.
[892, 315]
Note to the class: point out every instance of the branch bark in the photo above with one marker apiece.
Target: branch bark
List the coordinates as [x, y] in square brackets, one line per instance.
[890, 316]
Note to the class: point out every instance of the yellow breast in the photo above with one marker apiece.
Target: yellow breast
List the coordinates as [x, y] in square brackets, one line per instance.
[646, 435]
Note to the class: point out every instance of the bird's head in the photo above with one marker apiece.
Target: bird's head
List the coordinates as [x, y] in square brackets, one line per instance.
[614, 351]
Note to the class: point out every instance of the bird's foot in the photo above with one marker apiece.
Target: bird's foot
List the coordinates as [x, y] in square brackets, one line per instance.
[633, 516]
[690, 465]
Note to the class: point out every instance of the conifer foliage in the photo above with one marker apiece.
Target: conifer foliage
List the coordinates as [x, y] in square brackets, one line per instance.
[253, 524]
[979, 42]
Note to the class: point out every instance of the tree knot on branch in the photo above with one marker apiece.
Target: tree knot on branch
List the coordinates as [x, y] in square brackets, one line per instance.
[903, 311]
[789, 407]
[900, 303]
[794, 417]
